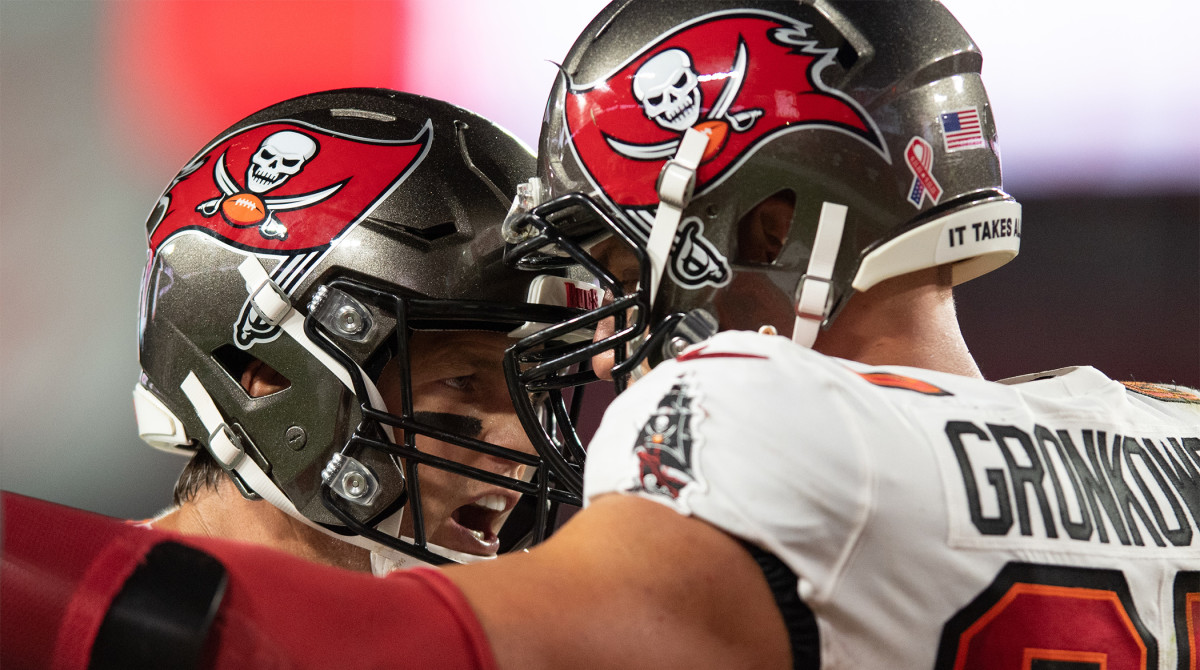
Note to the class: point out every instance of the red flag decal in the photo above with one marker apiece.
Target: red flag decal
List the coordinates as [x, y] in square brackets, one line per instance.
[739, 76]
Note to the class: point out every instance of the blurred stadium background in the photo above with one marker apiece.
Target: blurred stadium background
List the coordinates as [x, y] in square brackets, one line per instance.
[101, 102]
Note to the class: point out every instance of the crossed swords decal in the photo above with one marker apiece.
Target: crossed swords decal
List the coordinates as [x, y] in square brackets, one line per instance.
[270, 227]
[739, 121]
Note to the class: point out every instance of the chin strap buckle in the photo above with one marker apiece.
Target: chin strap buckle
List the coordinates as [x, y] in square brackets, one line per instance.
[676, 184]
[814, 293]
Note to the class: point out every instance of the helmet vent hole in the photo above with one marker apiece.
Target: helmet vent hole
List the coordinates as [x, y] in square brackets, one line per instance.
[254, 377]
[432, 233]
[846, 56]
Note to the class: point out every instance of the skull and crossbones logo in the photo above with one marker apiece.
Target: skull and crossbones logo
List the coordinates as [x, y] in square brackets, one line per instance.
[668, 88]
[279, 157]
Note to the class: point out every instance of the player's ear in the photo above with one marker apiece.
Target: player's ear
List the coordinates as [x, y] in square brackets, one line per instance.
[260, 379]
[764, 229]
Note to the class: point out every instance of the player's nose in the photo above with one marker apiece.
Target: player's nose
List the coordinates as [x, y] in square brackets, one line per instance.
[505, 429]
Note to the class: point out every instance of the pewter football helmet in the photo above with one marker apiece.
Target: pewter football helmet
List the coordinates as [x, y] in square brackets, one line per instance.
[671, 122]
[316, 236]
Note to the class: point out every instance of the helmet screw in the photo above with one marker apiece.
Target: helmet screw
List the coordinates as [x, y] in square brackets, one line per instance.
[296, 438]
[354, 484]
[348, 320]
[678, 344]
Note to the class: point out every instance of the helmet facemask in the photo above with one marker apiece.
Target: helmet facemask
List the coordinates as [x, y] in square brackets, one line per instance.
[325, 277]
[844, 143]
[348, 491]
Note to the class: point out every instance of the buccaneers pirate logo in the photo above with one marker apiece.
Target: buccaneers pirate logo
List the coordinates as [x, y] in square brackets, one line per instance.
[301, 192]
[280, 157]
[665, 446]
[741, 77]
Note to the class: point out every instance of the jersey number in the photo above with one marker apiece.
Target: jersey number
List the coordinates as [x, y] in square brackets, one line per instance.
[1039, 617]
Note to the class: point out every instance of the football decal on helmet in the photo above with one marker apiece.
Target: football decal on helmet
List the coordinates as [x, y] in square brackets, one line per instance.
[296, 199]
[287, 167]
[721, 74]
[665, 447]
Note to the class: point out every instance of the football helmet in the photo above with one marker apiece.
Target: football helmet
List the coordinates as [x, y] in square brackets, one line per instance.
[672, 124]
[316, 237]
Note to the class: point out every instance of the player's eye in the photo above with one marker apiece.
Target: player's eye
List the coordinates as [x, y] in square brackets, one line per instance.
[463, 383]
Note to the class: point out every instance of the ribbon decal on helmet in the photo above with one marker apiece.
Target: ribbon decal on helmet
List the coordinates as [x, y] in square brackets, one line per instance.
[919, 156]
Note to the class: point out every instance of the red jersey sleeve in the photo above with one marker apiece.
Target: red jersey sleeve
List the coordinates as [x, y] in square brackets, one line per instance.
[296, 614]
[62, 568]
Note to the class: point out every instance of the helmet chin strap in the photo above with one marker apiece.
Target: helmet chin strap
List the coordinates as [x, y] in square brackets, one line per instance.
[226, 448]
[382, 564]
[676, 183]
[815, 291]
[273, 305]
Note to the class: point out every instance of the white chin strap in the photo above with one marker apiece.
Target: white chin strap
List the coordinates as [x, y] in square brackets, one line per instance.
[676, 183]
[272, 304]
[815, 291]
[226, 449]
[382, 564]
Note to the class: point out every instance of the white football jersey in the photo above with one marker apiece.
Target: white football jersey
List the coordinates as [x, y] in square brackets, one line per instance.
[934, 521]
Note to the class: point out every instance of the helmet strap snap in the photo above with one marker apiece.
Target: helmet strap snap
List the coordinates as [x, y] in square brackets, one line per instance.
[676, 184]
[814, 293]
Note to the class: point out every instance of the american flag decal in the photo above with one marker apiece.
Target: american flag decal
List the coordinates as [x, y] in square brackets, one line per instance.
[961, 130]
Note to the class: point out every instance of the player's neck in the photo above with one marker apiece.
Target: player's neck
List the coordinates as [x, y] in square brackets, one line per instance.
[908, 320]
[224, 513]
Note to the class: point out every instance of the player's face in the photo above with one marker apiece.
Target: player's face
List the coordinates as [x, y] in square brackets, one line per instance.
[459, 385]
[620, 261]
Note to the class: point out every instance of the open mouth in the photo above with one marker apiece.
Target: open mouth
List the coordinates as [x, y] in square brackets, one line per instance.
[479, 521]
